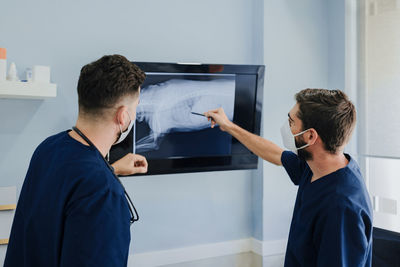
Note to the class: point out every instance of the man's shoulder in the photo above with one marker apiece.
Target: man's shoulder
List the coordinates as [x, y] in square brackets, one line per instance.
[290, 158]
[76, 165]
[56, 140]
[61, 156]
[64, 148]
[351, 181]
[296, 167]
[53, 138]
[351, 195]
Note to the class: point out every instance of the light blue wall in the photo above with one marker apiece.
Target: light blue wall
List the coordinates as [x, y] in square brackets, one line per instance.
[337, 43]
[176, 210]
[296, 54]
[257, 181]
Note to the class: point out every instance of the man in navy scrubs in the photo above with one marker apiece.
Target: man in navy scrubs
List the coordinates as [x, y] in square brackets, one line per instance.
[72, 210]
[332, 218]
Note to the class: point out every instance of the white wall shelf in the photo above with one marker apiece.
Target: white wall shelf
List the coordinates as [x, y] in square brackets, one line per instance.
[27, 90]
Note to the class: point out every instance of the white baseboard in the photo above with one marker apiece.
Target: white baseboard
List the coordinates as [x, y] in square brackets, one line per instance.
[268, 248]
[199, 252]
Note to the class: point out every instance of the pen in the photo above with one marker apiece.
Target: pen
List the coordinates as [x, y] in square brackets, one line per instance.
[199, 114]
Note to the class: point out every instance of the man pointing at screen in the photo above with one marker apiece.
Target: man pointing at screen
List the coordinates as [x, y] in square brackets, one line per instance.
[332, 218]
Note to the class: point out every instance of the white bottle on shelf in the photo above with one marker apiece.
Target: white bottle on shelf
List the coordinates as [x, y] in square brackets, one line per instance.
[3, 64]
[12, 73]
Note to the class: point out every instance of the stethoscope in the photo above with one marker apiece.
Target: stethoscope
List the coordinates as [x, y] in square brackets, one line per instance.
[130, 204]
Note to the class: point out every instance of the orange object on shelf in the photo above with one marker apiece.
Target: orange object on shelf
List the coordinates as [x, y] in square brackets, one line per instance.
[3, 53]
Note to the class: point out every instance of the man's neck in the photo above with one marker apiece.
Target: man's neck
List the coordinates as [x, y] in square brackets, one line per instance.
[99, 134]
[324, 163]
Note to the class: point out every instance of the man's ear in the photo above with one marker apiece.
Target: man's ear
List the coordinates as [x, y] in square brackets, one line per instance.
[312, 136]
[119, 117]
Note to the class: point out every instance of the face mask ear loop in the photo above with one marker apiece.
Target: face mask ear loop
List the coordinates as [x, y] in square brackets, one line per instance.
[306, 145]
[300, 133]
[120, 128]
[129, 116]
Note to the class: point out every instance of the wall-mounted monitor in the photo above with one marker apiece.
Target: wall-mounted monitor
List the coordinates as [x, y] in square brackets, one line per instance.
[172, 135]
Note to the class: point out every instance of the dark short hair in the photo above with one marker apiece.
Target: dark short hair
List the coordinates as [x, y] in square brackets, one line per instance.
[330, 113]
[105, 81]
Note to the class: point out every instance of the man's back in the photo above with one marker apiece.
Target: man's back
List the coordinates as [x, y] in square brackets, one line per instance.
[71, 210]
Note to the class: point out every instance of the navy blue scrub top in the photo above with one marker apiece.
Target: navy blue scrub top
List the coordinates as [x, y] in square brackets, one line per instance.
[71, 210]
[332, 218]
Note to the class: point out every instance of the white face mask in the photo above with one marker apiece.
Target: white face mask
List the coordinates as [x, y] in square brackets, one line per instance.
[289, 138]
[125, 134]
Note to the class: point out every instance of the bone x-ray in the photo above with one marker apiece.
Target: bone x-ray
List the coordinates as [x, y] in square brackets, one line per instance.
[166, 126]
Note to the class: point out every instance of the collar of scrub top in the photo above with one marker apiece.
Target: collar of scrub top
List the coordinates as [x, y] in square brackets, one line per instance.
[134, 216]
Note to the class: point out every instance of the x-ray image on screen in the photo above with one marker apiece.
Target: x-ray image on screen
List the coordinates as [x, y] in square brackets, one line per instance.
[172, 138]
[165, 124]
